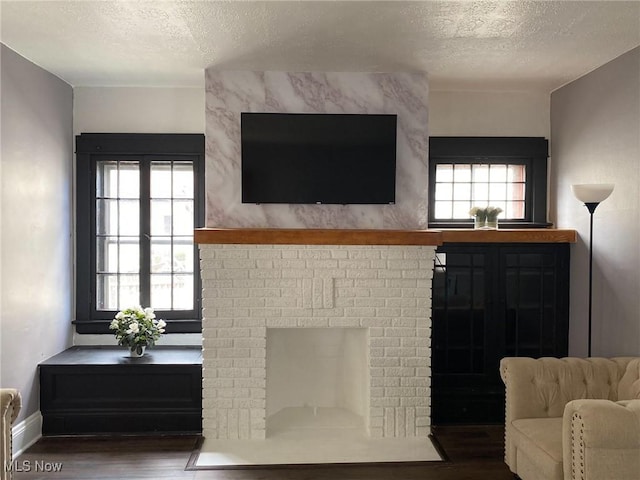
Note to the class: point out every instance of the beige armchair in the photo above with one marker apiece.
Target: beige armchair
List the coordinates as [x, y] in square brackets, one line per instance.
[572, 418]
[10, 404]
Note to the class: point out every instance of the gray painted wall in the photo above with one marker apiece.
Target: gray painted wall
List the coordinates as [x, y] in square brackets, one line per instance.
[36, 286]
[595, 138]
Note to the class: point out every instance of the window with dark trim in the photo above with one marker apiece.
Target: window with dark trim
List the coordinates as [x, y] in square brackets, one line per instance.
[505, 172]
[139, 198]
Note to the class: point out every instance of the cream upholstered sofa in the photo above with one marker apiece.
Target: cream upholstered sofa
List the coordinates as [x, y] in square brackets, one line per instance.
[10, 404]
[572, 418]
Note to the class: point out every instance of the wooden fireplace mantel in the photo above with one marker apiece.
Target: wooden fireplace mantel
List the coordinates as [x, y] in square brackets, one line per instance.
[300, 236]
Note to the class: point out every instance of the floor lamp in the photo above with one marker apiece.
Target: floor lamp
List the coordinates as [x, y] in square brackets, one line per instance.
[591, 195]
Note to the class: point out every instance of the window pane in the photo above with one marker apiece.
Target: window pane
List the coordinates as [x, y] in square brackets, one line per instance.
[129, 217]
[498, 173]
[480, 173]
[183, 255]
[129, 182]
[183, 180]
[517, 173]
[183, 292]
[444, 191]
[443, 210]
[107, 217]
[107, 292]
[461, 209]
[107, 254]
[497, 192]
[129, 255]
[161, 286]
[161, 180]
[462, 173]
[161, 255]
[107, 179]
[444, 173]
[160, 217]
[462, 191]
[129, 291]
[183, 217]
[480, 194]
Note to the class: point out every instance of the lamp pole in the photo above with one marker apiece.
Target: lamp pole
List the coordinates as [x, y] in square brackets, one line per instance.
[591, 195]
[591, 206]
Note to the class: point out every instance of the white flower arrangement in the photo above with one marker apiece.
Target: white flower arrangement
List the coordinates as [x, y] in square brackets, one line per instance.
[137, 327]
[488, 214]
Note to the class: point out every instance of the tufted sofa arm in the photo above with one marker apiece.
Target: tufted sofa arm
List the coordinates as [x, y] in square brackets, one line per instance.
[601, 440]
[540, 388]
[10, 404]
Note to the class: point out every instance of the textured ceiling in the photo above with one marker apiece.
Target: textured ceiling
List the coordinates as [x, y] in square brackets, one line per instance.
[468, 44]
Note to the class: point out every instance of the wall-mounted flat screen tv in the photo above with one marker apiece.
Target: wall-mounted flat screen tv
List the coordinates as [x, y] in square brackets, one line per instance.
[318, 158]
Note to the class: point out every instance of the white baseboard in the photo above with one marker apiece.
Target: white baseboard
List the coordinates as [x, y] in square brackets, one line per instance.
[26, 433]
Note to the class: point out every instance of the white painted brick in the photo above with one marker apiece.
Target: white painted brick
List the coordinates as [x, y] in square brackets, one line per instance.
[283, 321]
[386, 292]
[212, 384]
[362, 273]
[402, 283]
[248, 322]
[233, 332]
[385, 402]
[395, 369]
[415, 382]
[249, 362]
[312, 322]
[217, 342]
[389, 422]
[265, 274]
[357, 254]
[330, 273]
[371, 302]
[384, 362]
[400, 352]
[385, 342]
[376, 412]
[343, 322]
[413, 362]
[376, 422]
[389, 274]
[233, 352]
[376, 322]
[298, 273]
[360, 312]
[250, 302]
[414, 402]
[399, 371]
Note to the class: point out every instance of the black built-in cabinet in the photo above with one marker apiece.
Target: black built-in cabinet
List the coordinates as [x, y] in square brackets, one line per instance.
[491, 301]
[100, 390]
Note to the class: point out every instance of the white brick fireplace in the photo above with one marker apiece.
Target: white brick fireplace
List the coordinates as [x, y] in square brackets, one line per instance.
[254, 284]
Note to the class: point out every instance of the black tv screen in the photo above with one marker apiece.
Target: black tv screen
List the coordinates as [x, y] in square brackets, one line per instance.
[318, 158]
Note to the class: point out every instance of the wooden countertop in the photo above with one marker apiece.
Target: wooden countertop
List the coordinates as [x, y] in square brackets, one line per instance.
[293, 236]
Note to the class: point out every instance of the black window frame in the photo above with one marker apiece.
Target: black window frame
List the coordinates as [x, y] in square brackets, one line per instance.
[529, 151]
[145, 147]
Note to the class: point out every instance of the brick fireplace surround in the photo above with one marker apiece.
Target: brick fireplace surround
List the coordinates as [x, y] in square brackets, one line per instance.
[260, 279]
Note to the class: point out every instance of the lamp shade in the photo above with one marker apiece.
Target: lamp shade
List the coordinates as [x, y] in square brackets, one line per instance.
[592, 192]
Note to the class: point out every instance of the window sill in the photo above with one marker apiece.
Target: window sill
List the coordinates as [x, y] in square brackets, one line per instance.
[102, 326]
[469, 225]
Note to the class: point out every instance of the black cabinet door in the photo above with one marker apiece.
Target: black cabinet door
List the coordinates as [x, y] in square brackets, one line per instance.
[490, 301]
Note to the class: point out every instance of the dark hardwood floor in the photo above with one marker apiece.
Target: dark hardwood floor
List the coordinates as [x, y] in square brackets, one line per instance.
[474, 453]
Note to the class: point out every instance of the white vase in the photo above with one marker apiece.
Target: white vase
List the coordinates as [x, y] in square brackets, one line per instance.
[137, 351]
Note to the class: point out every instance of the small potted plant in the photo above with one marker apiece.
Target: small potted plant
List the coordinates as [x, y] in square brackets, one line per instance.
[137, 328]
[485, 218]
